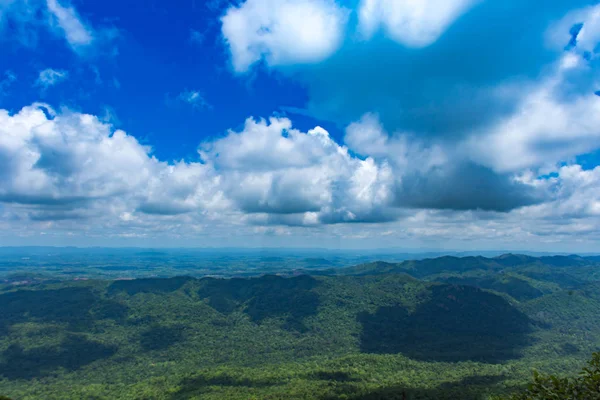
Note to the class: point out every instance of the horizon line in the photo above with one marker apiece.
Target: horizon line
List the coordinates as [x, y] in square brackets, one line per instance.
[396, 250]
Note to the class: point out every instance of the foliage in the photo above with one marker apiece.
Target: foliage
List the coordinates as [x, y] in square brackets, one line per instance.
[378, 332]
[586, 386]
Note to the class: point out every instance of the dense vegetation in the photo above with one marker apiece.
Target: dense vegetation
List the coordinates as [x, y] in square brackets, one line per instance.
[585, 386]
[445, 328]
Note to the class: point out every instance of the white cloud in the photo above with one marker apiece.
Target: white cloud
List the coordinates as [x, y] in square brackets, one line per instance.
[67, 173]
[66, 165]
[414, 23]
[546, 127]
[283, 31]
[50, 77]
[565, 33]
[182, 187]
[368, 137]
[67, 19]
[308, 31]
[434, 174]
[66, 159]
[576, 195]
[71, 171]
[271, 168]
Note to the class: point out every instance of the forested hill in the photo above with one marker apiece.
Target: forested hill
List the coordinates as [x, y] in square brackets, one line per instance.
[445, 328]
[586, 267]
[520, 276]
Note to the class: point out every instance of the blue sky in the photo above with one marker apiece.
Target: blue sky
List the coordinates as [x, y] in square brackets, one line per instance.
[463, 124]
[140, 73]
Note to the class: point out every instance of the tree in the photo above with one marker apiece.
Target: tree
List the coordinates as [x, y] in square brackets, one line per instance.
[586, 386]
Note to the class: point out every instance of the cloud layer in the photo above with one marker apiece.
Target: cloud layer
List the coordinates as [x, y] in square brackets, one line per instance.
[478, 109]
[67, 170]
[460, 118]
[430, 68]
[69, 161]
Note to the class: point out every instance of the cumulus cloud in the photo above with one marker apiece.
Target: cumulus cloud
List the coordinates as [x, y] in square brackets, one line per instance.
[368, 137]
[69, 161]
[66, 159]
[576, 195]
[445, 134]
[434, 175]
[441, 69]
[58, 164]
[466, 186]
[271, 168]
[415, 23]
[66, 171]
[309, 31]
[455, 127]
[547, 126]
[283, 32]
[471, 106]
[180, 188]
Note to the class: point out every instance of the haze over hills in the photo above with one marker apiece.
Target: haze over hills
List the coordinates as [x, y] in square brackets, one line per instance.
[437, 328]
[103, 262]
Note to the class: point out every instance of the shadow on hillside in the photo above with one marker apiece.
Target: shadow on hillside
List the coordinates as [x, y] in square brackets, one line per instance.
[341, 385]
[78, 307]
[161, 337]
[517, 288]
[198, 385]
[74, 352]
[148, 285]
[265, 297]
[470, 388]
[457, 323]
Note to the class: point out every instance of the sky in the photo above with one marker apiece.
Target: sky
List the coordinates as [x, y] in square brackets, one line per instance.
[438, 124]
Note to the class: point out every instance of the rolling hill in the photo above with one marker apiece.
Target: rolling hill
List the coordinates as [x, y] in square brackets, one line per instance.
[430, 329]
